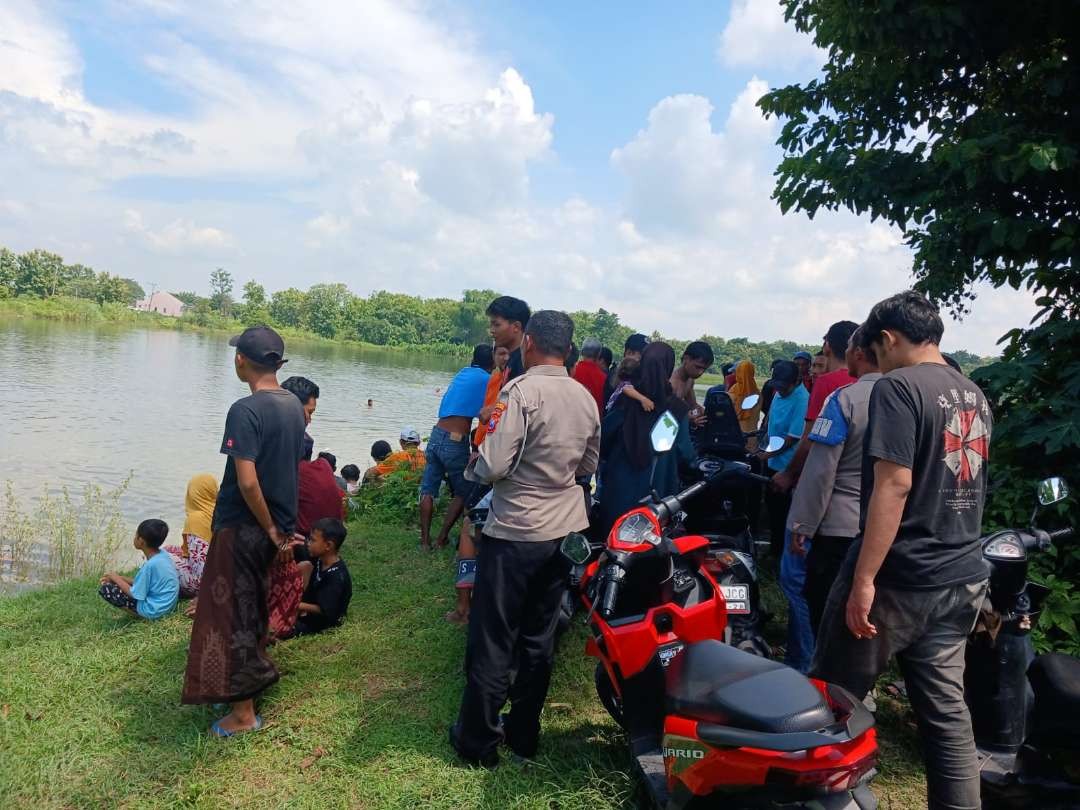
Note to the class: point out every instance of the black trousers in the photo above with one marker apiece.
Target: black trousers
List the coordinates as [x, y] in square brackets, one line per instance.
[778, 504]
[823, 564]
[515, 607]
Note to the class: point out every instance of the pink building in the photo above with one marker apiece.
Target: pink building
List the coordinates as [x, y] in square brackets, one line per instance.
[163, 303]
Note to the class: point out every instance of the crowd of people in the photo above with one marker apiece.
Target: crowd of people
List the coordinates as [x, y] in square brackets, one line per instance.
[873, 512]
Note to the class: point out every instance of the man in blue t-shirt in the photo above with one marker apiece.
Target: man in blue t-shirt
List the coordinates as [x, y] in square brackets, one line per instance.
[786, 416]
[448, 447]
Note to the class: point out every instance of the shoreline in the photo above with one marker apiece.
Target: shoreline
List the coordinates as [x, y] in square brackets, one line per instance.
[89, 313]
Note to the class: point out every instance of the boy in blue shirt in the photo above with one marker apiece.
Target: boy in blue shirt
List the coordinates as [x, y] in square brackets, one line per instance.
[156, 587]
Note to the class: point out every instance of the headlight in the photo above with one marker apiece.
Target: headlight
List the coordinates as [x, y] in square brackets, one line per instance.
[637, 529]
[1005, 547]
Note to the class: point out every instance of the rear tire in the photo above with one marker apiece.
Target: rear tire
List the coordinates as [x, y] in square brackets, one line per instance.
[606, 692]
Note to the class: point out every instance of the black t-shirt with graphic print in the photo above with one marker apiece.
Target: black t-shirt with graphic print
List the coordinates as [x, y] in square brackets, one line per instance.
[937, 423]
[267, 428]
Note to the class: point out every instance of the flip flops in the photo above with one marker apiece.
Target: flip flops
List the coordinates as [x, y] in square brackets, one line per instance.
[217, 731]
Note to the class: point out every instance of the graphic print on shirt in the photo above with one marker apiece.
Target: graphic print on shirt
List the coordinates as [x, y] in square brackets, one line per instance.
[966, 442]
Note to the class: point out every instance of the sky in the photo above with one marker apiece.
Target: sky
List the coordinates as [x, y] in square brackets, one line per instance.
[578, 155]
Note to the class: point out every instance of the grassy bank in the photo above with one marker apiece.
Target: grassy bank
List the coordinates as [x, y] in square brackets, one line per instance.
[90, 714]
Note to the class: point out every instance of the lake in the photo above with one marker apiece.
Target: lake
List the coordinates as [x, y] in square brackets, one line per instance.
[95, 404]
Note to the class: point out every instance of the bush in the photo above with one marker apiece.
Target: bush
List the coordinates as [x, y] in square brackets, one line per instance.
[59, 538]
[1035, 393]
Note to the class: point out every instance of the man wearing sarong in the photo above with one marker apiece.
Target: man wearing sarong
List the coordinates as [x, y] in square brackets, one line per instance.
[253, 522]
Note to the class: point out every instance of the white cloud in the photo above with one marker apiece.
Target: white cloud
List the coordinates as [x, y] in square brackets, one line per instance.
[382, 147]
[178, 236]
[756, 35]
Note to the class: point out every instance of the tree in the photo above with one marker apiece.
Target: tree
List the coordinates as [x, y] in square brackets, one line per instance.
[254, 294]
[326, 307]
[9, 272]
[288, 307]
[956, 122]
[80, 281]
[40, 274]
[133, 291]
[109, 289]
[221, 287]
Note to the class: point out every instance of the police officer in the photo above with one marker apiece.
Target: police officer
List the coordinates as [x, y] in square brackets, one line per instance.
[544, 433]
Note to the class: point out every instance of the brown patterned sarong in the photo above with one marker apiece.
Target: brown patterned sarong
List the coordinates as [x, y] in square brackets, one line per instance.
[227, 659]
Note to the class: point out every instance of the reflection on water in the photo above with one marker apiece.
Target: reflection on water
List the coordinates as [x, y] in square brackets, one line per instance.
[92, 404]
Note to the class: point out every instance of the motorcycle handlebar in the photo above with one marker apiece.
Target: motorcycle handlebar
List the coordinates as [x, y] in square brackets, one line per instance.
[1061, 534]
[609, 596]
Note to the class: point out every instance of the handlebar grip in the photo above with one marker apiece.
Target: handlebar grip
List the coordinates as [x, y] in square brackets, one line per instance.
[755, 477]
[1061, 534]
[609, 597]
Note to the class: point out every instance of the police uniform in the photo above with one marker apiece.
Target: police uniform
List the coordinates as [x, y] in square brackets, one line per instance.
[543, 434]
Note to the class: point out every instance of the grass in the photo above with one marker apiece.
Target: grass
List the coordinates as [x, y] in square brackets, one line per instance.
[90, 713]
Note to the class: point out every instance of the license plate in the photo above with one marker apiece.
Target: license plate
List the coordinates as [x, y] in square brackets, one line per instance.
[736, 598]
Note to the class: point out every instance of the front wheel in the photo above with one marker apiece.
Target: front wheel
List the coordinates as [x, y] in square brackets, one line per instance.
[606, 692]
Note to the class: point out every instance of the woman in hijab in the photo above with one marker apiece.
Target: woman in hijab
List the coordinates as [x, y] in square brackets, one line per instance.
[190, 557]
[626, 446]
[745, 385]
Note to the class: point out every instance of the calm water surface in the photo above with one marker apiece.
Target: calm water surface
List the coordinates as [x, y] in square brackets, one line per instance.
[84, 404]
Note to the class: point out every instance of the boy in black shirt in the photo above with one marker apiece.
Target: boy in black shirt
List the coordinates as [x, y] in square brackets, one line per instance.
[327, 584]
[914, 580]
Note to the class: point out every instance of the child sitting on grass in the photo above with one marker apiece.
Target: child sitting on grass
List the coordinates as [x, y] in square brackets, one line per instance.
[156, 587]
[327, 585]
[627, 375]
[351, 474]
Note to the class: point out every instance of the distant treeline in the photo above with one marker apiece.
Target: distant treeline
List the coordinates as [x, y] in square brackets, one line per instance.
[441, 325]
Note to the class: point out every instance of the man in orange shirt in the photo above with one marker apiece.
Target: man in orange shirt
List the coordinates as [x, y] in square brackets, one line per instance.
[409, 457]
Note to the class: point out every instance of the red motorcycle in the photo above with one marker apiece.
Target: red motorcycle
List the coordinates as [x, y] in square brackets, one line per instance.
[733, 729]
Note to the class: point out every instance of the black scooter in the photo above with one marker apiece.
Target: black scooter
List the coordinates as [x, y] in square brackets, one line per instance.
[1025, 709]
[722, 517]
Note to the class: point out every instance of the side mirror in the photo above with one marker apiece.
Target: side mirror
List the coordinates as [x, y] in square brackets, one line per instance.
[575, 547]
[1052, 490]
[664, 432]
[750, 401]
[774, 444]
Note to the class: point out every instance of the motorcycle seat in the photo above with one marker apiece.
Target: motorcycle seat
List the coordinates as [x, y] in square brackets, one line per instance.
[716, 683]
[1055, 679]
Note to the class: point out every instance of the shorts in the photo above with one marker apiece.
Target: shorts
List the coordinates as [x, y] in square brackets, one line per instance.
[446, 458]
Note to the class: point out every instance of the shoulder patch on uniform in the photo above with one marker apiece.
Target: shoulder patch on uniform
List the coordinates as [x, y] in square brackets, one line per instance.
[496, 415]
[830, 427]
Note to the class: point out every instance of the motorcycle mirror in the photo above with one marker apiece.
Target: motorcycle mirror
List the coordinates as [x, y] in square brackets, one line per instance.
[664, 432]
[775, 443]
[1052, 490]
[575, 547]
[750, 401]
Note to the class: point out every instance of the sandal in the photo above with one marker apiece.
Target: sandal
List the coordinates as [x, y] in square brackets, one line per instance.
[456, 617]
[217, 731]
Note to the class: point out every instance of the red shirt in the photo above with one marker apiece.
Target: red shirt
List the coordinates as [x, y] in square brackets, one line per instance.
[823, 386]
[319, 495]
[593, 378]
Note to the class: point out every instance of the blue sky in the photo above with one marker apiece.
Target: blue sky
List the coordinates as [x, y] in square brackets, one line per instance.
[577, 154]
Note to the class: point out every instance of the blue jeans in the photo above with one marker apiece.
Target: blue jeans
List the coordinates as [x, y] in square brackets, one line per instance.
[800, 636]
[445, 458]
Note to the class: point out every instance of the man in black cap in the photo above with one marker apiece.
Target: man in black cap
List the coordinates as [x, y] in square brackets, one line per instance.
[253, 522]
